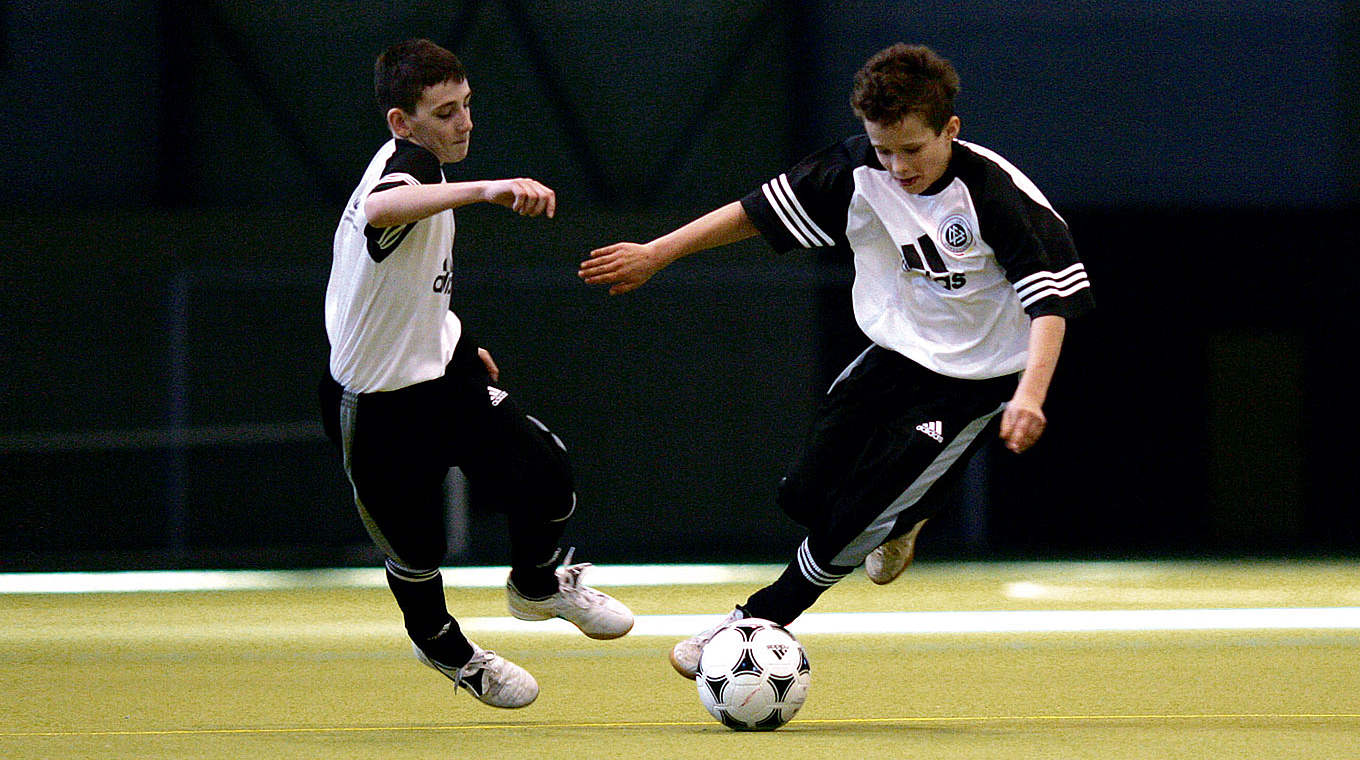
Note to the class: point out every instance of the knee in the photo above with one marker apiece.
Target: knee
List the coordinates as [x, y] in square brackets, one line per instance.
[551, 484]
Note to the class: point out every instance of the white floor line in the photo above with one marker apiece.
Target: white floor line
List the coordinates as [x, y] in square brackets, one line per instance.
[119, 634]
[363, 577]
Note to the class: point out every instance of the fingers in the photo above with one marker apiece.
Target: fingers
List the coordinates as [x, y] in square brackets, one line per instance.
[604, 266]
[492, 370]
[1021, 428]
[532, 198]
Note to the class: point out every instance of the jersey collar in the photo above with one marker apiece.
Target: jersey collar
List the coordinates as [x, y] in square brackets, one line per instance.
[949, 172]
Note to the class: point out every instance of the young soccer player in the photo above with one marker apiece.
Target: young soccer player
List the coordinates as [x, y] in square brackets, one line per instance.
[411, 395]
[964, 279]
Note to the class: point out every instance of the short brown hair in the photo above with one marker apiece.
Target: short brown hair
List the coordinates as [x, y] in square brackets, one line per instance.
[902, 80]
[404, 70]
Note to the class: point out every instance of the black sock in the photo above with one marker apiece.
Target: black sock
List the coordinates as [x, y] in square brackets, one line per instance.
[536, 581]
[420, 595]
[795, 590]
[448, 647]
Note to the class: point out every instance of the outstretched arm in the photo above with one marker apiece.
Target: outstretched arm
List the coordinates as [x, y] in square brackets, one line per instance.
[626, 266]
[403, 204]
[1023, 421]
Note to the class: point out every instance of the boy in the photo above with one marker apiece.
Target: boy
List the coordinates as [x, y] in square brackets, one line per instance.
[964, 277]
[411, 395]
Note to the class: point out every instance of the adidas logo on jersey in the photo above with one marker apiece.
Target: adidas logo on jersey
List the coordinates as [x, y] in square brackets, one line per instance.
[444, 282]
[497, 395]
[933, 429]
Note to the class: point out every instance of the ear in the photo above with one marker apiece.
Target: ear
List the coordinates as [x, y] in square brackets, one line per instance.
[398, 122]
[953, 126]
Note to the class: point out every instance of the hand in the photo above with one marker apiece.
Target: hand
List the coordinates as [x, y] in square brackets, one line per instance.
[623, 266]
[1021, 424]
[524, 196]
[491, 368]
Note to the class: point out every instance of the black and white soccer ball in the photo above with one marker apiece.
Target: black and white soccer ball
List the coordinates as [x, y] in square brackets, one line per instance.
[753, 675]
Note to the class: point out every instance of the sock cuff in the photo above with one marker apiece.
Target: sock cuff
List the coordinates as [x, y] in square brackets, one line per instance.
[815, 573]
[403, 573]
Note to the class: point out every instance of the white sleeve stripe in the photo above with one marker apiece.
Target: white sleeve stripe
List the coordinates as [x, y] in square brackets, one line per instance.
[390, 236]
[802, 214]
[401, 177]
[1046, 292]
[1050, 275]
[1021, 181]
[1051, 283]
[779, 209]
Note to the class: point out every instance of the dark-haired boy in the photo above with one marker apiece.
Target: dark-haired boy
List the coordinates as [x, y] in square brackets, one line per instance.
[964, 279]
[411, 395]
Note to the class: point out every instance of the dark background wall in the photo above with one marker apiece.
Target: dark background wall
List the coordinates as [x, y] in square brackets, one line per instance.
[172, 171]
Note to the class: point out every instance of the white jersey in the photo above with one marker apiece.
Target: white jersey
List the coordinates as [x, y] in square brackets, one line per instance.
[949, 278]
[387, 301]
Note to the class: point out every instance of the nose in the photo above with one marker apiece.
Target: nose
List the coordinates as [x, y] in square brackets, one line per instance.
[465, 125]
[900, 167]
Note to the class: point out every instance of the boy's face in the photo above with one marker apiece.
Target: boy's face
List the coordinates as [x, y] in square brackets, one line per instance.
[913, 153]
[442, 123]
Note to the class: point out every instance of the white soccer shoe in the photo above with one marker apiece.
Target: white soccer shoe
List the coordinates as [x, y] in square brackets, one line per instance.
[492, 679]
[685, 655]
[597, 614]
[885, 563]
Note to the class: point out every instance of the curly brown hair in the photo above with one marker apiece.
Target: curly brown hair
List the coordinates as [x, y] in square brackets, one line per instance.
[905, 79]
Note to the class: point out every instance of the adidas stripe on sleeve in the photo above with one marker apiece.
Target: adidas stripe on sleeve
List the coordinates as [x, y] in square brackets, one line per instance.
[805, 207]
[1031, 241]
[407, 166]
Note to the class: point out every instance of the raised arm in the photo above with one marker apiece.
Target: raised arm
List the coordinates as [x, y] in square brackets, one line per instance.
[403, 204]
[626, 266]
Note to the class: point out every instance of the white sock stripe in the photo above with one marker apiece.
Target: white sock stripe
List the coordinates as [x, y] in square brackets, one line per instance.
[407, 574]
[814, 573]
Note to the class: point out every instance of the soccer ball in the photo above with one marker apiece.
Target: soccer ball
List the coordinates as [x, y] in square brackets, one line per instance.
[753, 675]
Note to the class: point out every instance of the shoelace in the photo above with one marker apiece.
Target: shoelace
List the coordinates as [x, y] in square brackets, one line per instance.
[479, 660]
[570, 578]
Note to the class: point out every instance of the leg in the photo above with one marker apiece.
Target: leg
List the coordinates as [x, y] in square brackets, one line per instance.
[909, 431]
[521, 466]
[827, 453]
[397, 476]
[397, 469]
[830, 447]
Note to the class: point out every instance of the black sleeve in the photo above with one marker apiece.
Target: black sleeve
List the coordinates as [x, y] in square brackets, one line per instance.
[806, 206]
[409, 165]
[1031, 242]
